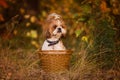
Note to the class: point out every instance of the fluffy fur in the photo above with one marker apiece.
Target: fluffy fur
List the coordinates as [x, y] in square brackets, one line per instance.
[54, 29]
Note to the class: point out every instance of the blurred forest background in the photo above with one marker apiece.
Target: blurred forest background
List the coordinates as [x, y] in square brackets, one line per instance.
[93, 30]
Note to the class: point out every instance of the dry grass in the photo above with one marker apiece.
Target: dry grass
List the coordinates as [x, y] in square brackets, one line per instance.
[19, 65]
[84, 68]
[23, 64]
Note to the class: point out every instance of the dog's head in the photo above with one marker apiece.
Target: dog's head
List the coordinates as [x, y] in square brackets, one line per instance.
[55, 26]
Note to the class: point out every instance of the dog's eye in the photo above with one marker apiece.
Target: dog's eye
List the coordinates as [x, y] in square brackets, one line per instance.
[63, 26]
[54, 26]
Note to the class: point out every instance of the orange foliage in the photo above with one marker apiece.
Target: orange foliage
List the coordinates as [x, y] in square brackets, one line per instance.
[103, 7]
[1, 17]
[3, 3]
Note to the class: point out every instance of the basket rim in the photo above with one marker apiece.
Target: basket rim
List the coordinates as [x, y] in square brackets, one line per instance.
[55, 51]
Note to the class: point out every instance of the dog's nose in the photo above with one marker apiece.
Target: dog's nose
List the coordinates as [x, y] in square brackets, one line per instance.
[59, 29]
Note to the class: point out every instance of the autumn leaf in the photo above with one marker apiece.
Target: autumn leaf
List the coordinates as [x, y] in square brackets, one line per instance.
[34, 43]
[32, 19]
[84, 38]
[78, 32]
[15, 32]
[1, 17]
[3, 3]
[103, 7]
[22, 10]
[115, 11]
[32, 34]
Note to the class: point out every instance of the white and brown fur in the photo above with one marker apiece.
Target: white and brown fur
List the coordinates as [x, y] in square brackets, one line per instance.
[54, 29]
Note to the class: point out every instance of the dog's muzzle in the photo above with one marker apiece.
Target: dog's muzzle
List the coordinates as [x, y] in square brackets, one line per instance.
[59, 30]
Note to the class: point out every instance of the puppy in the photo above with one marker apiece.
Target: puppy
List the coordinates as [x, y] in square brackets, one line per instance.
[54, 29]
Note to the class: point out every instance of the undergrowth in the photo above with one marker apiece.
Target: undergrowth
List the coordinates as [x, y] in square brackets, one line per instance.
[21, 64]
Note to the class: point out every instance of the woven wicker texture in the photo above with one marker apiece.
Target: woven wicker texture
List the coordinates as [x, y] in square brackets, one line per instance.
[55, 61]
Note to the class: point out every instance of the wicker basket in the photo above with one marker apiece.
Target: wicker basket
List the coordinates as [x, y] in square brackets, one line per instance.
[55, 60]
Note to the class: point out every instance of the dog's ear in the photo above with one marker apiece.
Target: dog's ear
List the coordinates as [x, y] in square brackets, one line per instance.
[47, 33]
